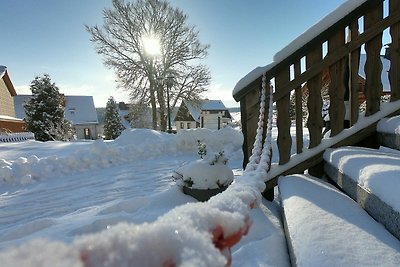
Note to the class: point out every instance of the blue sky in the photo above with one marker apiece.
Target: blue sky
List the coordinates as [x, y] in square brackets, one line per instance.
[48, 36]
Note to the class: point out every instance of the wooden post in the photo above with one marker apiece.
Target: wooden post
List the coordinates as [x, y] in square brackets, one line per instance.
[314, 104]
[373, 64]
[249, 107]
[354, 63]
[299, 110]
[337, 85]
[283, 120]
[394, 77]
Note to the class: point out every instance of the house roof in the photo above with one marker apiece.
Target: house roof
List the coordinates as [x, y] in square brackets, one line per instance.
[7, 80]
[19, 101]
[195, 108]
[78, 109]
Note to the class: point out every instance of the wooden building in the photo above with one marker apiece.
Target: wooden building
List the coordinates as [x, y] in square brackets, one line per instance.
[8, 120]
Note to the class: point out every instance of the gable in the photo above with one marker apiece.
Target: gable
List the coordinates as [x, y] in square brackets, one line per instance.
[184, 113]
[6, 79]
[80, 110]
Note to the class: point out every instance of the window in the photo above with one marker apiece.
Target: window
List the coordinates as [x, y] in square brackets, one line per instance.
[188, 125]
[182, 125]
[86, 132]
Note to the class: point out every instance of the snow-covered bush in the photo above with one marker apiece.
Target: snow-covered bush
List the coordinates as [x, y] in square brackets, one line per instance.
[210, 172]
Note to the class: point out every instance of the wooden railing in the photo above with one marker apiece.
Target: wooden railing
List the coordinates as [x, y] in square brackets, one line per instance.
[306, 67]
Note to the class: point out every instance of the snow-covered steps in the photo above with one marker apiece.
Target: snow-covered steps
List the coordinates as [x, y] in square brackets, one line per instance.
[324, 227]
[372, 178]
[389, 132]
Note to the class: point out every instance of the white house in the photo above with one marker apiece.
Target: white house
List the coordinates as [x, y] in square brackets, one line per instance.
[79, 110]
[211, 114]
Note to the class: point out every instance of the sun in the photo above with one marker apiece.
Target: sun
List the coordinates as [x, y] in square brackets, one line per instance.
[151, 44]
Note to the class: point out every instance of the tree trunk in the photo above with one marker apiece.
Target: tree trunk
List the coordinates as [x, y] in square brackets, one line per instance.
[153, 105]
[161, 102]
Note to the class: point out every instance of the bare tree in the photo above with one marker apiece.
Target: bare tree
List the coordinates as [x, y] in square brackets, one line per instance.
[146, 40]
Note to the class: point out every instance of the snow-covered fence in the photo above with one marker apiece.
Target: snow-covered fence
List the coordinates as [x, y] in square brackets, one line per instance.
[16, 137]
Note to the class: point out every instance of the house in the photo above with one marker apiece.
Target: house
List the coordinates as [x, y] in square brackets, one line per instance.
[211, 114]
[8, 120]
[79, 110]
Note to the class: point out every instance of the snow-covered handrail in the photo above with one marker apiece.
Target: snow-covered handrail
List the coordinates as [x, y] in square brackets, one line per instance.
[16, 137]
[194, 234]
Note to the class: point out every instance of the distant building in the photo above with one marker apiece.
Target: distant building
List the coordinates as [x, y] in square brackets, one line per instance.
[79, 110]
[211, 114]
[8, 120]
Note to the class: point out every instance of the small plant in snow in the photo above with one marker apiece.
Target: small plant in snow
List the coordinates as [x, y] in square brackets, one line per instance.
[202, 149]
[209, 172]
[219, 159]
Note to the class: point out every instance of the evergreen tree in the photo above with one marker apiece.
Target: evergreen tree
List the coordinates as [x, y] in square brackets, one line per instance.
[112, 121]
[45, 112]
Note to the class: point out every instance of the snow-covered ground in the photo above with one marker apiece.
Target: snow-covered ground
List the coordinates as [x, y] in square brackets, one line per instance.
[67, 191]
[63, 190]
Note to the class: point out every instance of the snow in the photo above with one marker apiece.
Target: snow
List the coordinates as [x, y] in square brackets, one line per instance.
[318, 28]
[196, 108]
[389, 125]
[203, 174]
[119, 194]
[114, 203]
[375, 170]
[386, 109]
[3, 70]
[78, 109]
[329, 229]
[5, 117]
[343, 10]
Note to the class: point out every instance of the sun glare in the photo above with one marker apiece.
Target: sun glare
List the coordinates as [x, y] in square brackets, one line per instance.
[151, 45]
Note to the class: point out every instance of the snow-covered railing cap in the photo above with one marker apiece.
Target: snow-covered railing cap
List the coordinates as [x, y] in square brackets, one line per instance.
[317, 29]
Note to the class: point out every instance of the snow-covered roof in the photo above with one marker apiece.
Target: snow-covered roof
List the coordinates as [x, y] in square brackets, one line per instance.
[343, 10]
[9, 118]
[384, 73]
[207, 104]
[19, 101]
[3, 70]
[78, 109]
[212, 105]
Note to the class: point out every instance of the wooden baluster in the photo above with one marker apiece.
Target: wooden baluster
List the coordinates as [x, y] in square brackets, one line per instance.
[249, 108]
[394, 77]
[373, 64]
[314, 104]
[354, 62]
[337, 85]
[283, 120]
[299, 109]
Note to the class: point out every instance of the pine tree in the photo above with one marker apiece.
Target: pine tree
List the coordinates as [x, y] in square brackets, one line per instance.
[45, 112]
[112, 121]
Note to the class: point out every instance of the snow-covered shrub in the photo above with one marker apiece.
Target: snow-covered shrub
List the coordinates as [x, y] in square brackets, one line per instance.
[206, 173]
